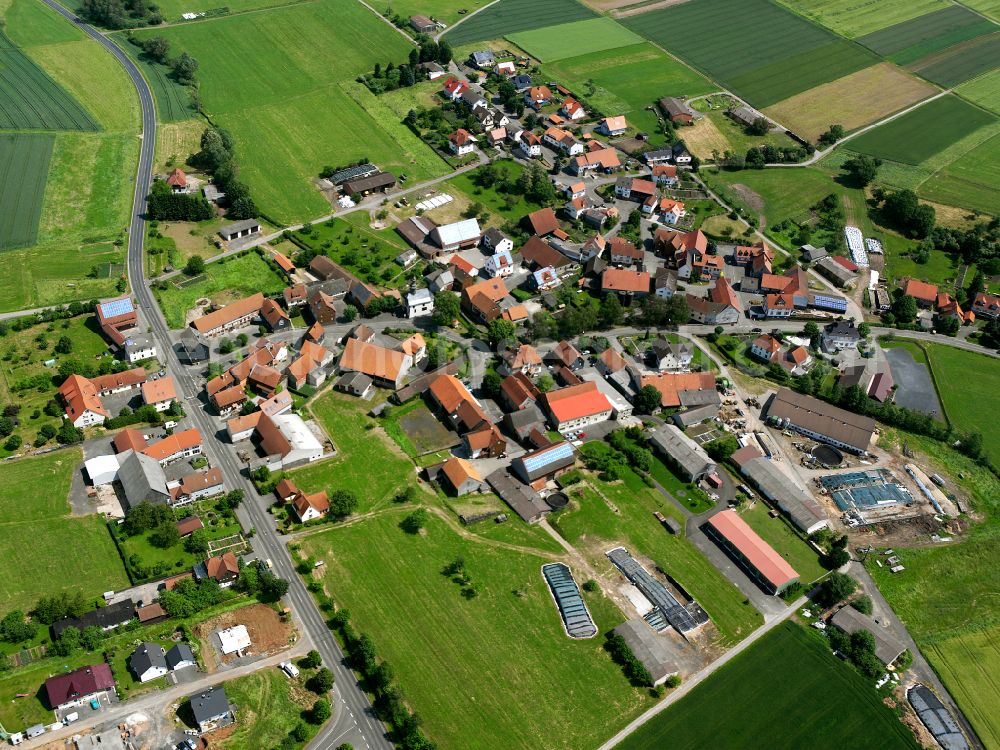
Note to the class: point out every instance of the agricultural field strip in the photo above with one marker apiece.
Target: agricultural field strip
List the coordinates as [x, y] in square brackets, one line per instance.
[853, 19]
[511, 16]
[899, 37]
[24, 168]
[962, 62]
[574, 39]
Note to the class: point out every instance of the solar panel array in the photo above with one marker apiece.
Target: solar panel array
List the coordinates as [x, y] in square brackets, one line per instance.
[569, 600]
[658, 594]
[829, 303]
[117, 307]
[561, 452]
[353, 173]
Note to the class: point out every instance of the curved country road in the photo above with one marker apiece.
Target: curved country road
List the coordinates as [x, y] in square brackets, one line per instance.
[354, 719]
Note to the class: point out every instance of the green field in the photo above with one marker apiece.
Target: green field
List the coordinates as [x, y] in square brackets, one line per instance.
[24, 167]
[629, 79]
[224, 281]
[518, 681]
[31, 100]
[961, 62]
[924, 29]
[990, 7]
[984, 91]
[787, 691]
[172, 9]
[779, 534]
[574, 39]
[853, 19]
[508, 17]
[970, 181]
[269, 706]
[446, 11]
[172, 100]
[273, 78]
[722, 39]
[67, 554]
[968, 666]
[923, 132]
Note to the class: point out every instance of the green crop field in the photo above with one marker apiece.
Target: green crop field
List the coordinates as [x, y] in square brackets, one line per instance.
[67, 554]
[984, 91]
[511, 16]
[915, 32]
[854, 19]
[990, 7]
[788, 690]
[629, 79]
[523, 683]
[722, 39]
[968, 665]
[24, 167]
[961, 62]
[923, 132]
[224, 281]
[273, 78]
[970, 181]
[31, 100]
[446, 11]
[173, 101]
[30, 24]
[574, 39]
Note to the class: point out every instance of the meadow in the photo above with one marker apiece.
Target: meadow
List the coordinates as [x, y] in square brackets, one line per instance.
[961, 62]
[574, 39]
[854, 19]
[511, 16]
[31, 100]
[792, 692]
[24, 167]
[984, 91]
[172, 9]
[779, 534]
[721, 38]
[446, 11]
[918, 135]
[968, 666]
[172, 100]
[970, 181]
[716, 131]
[876, 92]
[223, 281]
[269, 706]
[504, 652]
[273, 79]
[989, 7]
[67, 554]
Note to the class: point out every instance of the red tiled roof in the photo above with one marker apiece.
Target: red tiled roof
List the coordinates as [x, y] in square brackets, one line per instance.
[229, 313]
[920, 290]
[370, 359]
[624, 280]
[157, 391]
[670, 384]
[576, 401]
[759, 553]
[543, 221]
[172, 444]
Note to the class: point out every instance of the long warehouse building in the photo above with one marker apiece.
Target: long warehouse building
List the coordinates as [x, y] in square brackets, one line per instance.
[822, 421]
[780, 489]
[757, 558]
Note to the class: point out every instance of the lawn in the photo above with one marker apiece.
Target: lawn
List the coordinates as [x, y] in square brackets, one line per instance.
[273, 78]
[722, 39]
[505, 648]
[368, 463]
[574, 39]
[24, 167]
[269, 706]
[508, 17]
[788, 690]
[876, 92]
[172, 9]
[593, 526]
[918, 135]
[446, 11]
[785, 540]
[35, 514]
[223, 281]
[853, 19]
[961, 62]
[970, 181]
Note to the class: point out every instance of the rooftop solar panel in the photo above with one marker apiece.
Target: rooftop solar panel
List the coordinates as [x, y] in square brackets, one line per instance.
[561, 451]
[117, 307]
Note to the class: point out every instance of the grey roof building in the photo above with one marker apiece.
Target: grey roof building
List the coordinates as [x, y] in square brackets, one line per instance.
[210, 708]
[682, 451]
[190, 348]
[887, 647]
[696, 415]
[105, 618]
[544, 462]
[648, 649]
[240, 229]
[812, 254]
[822, 421]
[791, 497]
[142, 479]
[835, 272]
[148, 662]
[180, 656]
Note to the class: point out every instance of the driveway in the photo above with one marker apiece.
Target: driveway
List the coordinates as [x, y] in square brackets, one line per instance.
[916, 389]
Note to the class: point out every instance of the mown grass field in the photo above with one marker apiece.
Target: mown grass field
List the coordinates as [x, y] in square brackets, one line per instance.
[24, 167]
[224, 281]
[66, 554]
[984, 91]
[876, 92]
[519, 681]
[961, 62]
[787, 690]
[273, 79]
[574, 39]
[722, 39]
[918, 135]
[777, 533]
[269, 706]
[968, 665]
[446, 11]
[854, 19]
[969, 181]
[925, 29]
[511, 16]
[172, 9]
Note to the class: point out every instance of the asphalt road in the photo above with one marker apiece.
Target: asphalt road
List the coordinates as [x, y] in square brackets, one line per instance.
[354, 719]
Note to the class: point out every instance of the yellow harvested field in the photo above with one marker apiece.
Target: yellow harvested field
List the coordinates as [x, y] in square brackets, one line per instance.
[853, 101]
[704, 137]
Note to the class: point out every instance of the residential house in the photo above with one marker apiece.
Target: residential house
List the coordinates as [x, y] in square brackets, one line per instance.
[765, 347]
[664, 175]
[505, 68]
[481, 300]
[308, 367]
[211, 708]
[576, 406]
[925, 294]
[494, 241]
[537, 96]
[192, 487]
[604, 160]
[986, 305]
[545, 279]
[566, 355]
[625, 282]
[779, 306]
[665, 282]
[677, 388]
[79, 686]
[177, 181]
[518, 392]
[796, 360]
[668, 210]
[571, 109]
[613, 126]
[419, 302]
[323, 307]
[160, 393]
[722, 293]
[562, 140]
[83, 407]
[148, 661]
[499, 265]
[524, 359]
[462, 476]
[275, 316]
[496, 136]
[138, 347]
[387, 367]
[521, 82]
[840, 335]
[441, 280]
[658, 156]
[756, 259]
[635, 188]
[677, 110]
[484, 59]
[666, 355]
[542, 222]
[415, 347]
[609, 362]
[623, 252]
[529, 143]
[462, 142]
[180, 656]
[454, 88]
[174, 447]
[310, 506]
[484, 441]
[232, 316]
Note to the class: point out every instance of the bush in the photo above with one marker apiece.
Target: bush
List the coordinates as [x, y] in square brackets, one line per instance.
[863, 604]
[622, 655]
[321, 682]
[590, 585]
[835, 588]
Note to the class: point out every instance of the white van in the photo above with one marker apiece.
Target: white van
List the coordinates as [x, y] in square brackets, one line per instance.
[70, 718]
[290, 669]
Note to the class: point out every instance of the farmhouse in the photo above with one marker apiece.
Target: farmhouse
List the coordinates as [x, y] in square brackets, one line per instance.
[673, 386]
[986, 305]
[83, 407]
[387, 367]
[177, 181]
[925, 294]
[682, 453]
[184, 444]
[422, 25]
[665, 282]
[240, 229]
[376, 183]
[462, 477]
[537, 467]
[524, 359]
[821, 421]
[308, 366]
[604, 159]
[706, 311]
[876, 384]
[840, 335]
[116, 316]
[191, 487]
[79, 686]
[576, 406]
[138, 347]
[676, 109]
[232, 316]
[634, 188]
[755, 557]
[456, 236]
[667, 355]
[310, 506]
[482, 299]
[744, 116]
[780, 489]
[836, 273]
[765, 347]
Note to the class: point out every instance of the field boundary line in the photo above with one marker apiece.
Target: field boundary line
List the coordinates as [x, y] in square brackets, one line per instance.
[462, 20]
[407, 37]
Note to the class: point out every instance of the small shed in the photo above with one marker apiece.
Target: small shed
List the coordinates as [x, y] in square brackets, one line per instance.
[240, 229]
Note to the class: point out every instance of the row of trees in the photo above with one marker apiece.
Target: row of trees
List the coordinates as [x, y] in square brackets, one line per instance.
[121, 14]
[622, 655]
[166, 205]
[406, 74]
[218, 157]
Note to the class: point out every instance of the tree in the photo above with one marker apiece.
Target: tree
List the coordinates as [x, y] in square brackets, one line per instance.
[546, 383]
[343, 503]
[350, 313]
[195, 265]
[68, 434]
[901, 209]
[491, 384]
[835, 558]
[233, 499]
[760, 126]
[15, 628]
[611, 313]
[832, 135]
[320, 711]
[157, 48]
[321, 682]
[863, 604]
[311, 660]
[13, 443]
[722, 448]
[185, 68]
[64, 345]
[501, 330]
[811, 329]
[6, 426]
[272, 588]
[648, 399]
[836, 588]
[904, 309]
[165, 535]
[862, 169]
[447, 308]
[197, 542]
[414, 522]
[864, 330]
